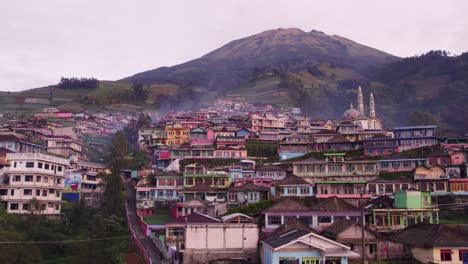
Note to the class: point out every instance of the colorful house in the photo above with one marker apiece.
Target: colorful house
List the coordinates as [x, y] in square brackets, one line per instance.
[410, 207]
[335, 166]
[395, 162]
[195, 174]
[415, 136]
[433, 179]
[379, 145]
[296, 242]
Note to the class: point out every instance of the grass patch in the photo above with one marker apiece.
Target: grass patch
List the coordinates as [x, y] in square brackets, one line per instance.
[161, 217]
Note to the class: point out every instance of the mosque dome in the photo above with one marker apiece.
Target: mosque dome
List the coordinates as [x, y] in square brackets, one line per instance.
[351, 113]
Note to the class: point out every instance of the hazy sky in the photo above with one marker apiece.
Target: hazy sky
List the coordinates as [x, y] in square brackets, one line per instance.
[42, 40]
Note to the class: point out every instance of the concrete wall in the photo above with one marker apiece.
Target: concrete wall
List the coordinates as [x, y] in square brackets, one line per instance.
[205, 243]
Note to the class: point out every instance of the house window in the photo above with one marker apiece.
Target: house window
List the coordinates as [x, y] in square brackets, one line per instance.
[29, 164]
[463, 255]
[274, 220]
[3, 192]
[43, 207]
[446, 255]
[16, 178]
[440, 186]
[38, 192]
[38, 178]
[39, 165]
[44, 192]
[28, 178]
[27, 192]
[292, 190]
[324, 219]
[304, 190]
[46, 166]
[306, 219]
[46, 179]
[25, 207]
[288, 260]
[59, 168]
[12, 192]
[14, 206]
[57, 206]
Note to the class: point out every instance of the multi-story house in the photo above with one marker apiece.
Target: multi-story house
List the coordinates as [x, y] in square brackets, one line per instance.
[29, 177]
[336, 167]
[176, 134]
[432, 179]
[294, 145]
[415, 136]
[241, 170]
[230, 147]
[386, 187]
[64, 146]
[395, 162]
[17, 144]
[195, 174]
[379, 145]
[201, 136]
[410, 207]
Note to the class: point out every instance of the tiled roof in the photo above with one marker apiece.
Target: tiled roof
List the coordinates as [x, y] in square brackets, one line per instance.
[430, 235]
[333, 204]
[249, 186]
[286, 233]
[338, 139]
[292, 179]
[288, 205]
[338, 226]
[271, 168]
[196, 218]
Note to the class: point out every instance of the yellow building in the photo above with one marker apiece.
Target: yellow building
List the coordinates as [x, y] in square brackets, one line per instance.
[177, 134]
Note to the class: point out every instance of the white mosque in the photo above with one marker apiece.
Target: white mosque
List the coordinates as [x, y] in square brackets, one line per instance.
[358, 117]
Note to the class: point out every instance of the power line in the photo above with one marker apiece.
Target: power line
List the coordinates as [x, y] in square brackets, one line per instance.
[64, 241]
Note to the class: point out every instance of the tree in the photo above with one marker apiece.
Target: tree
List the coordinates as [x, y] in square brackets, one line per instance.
[421, 118]
[139, 92]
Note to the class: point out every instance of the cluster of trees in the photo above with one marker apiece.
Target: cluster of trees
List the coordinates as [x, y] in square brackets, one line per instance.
[94, 235]
[78, 83]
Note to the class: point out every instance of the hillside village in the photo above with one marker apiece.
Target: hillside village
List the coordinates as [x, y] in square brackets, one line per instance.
[245, 184]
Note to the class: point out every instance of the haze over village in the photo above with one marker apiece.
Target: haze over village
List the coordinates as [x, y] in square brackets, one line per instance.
[234, 132]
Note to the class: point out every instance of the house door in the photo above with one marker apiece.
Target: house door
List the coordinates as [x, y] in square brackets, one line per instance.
[464, 255]
[310, 260]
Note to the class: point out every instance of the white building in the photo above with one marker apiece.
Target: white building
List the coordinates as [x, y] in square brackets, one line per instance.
[32, 175]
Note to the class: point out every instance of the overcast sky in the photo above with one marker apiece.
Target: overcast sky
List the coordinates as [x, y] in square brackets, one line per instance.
[40, 41]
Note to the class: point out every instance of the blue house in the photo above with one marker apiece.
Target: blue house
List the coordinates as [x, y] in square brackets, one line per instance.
[243, 132]
[296, 242]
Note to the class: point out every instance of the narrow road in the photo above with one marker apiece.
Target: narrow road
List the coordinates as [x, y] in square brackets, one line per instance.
[151, 250]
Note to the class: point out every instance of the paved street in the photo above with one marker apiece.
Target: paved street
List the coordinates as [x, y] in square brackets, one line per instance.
[150, 248]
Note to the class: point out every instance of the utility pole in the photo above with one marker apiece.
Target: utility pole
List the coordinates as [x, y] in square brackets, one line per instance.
[363, 246]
